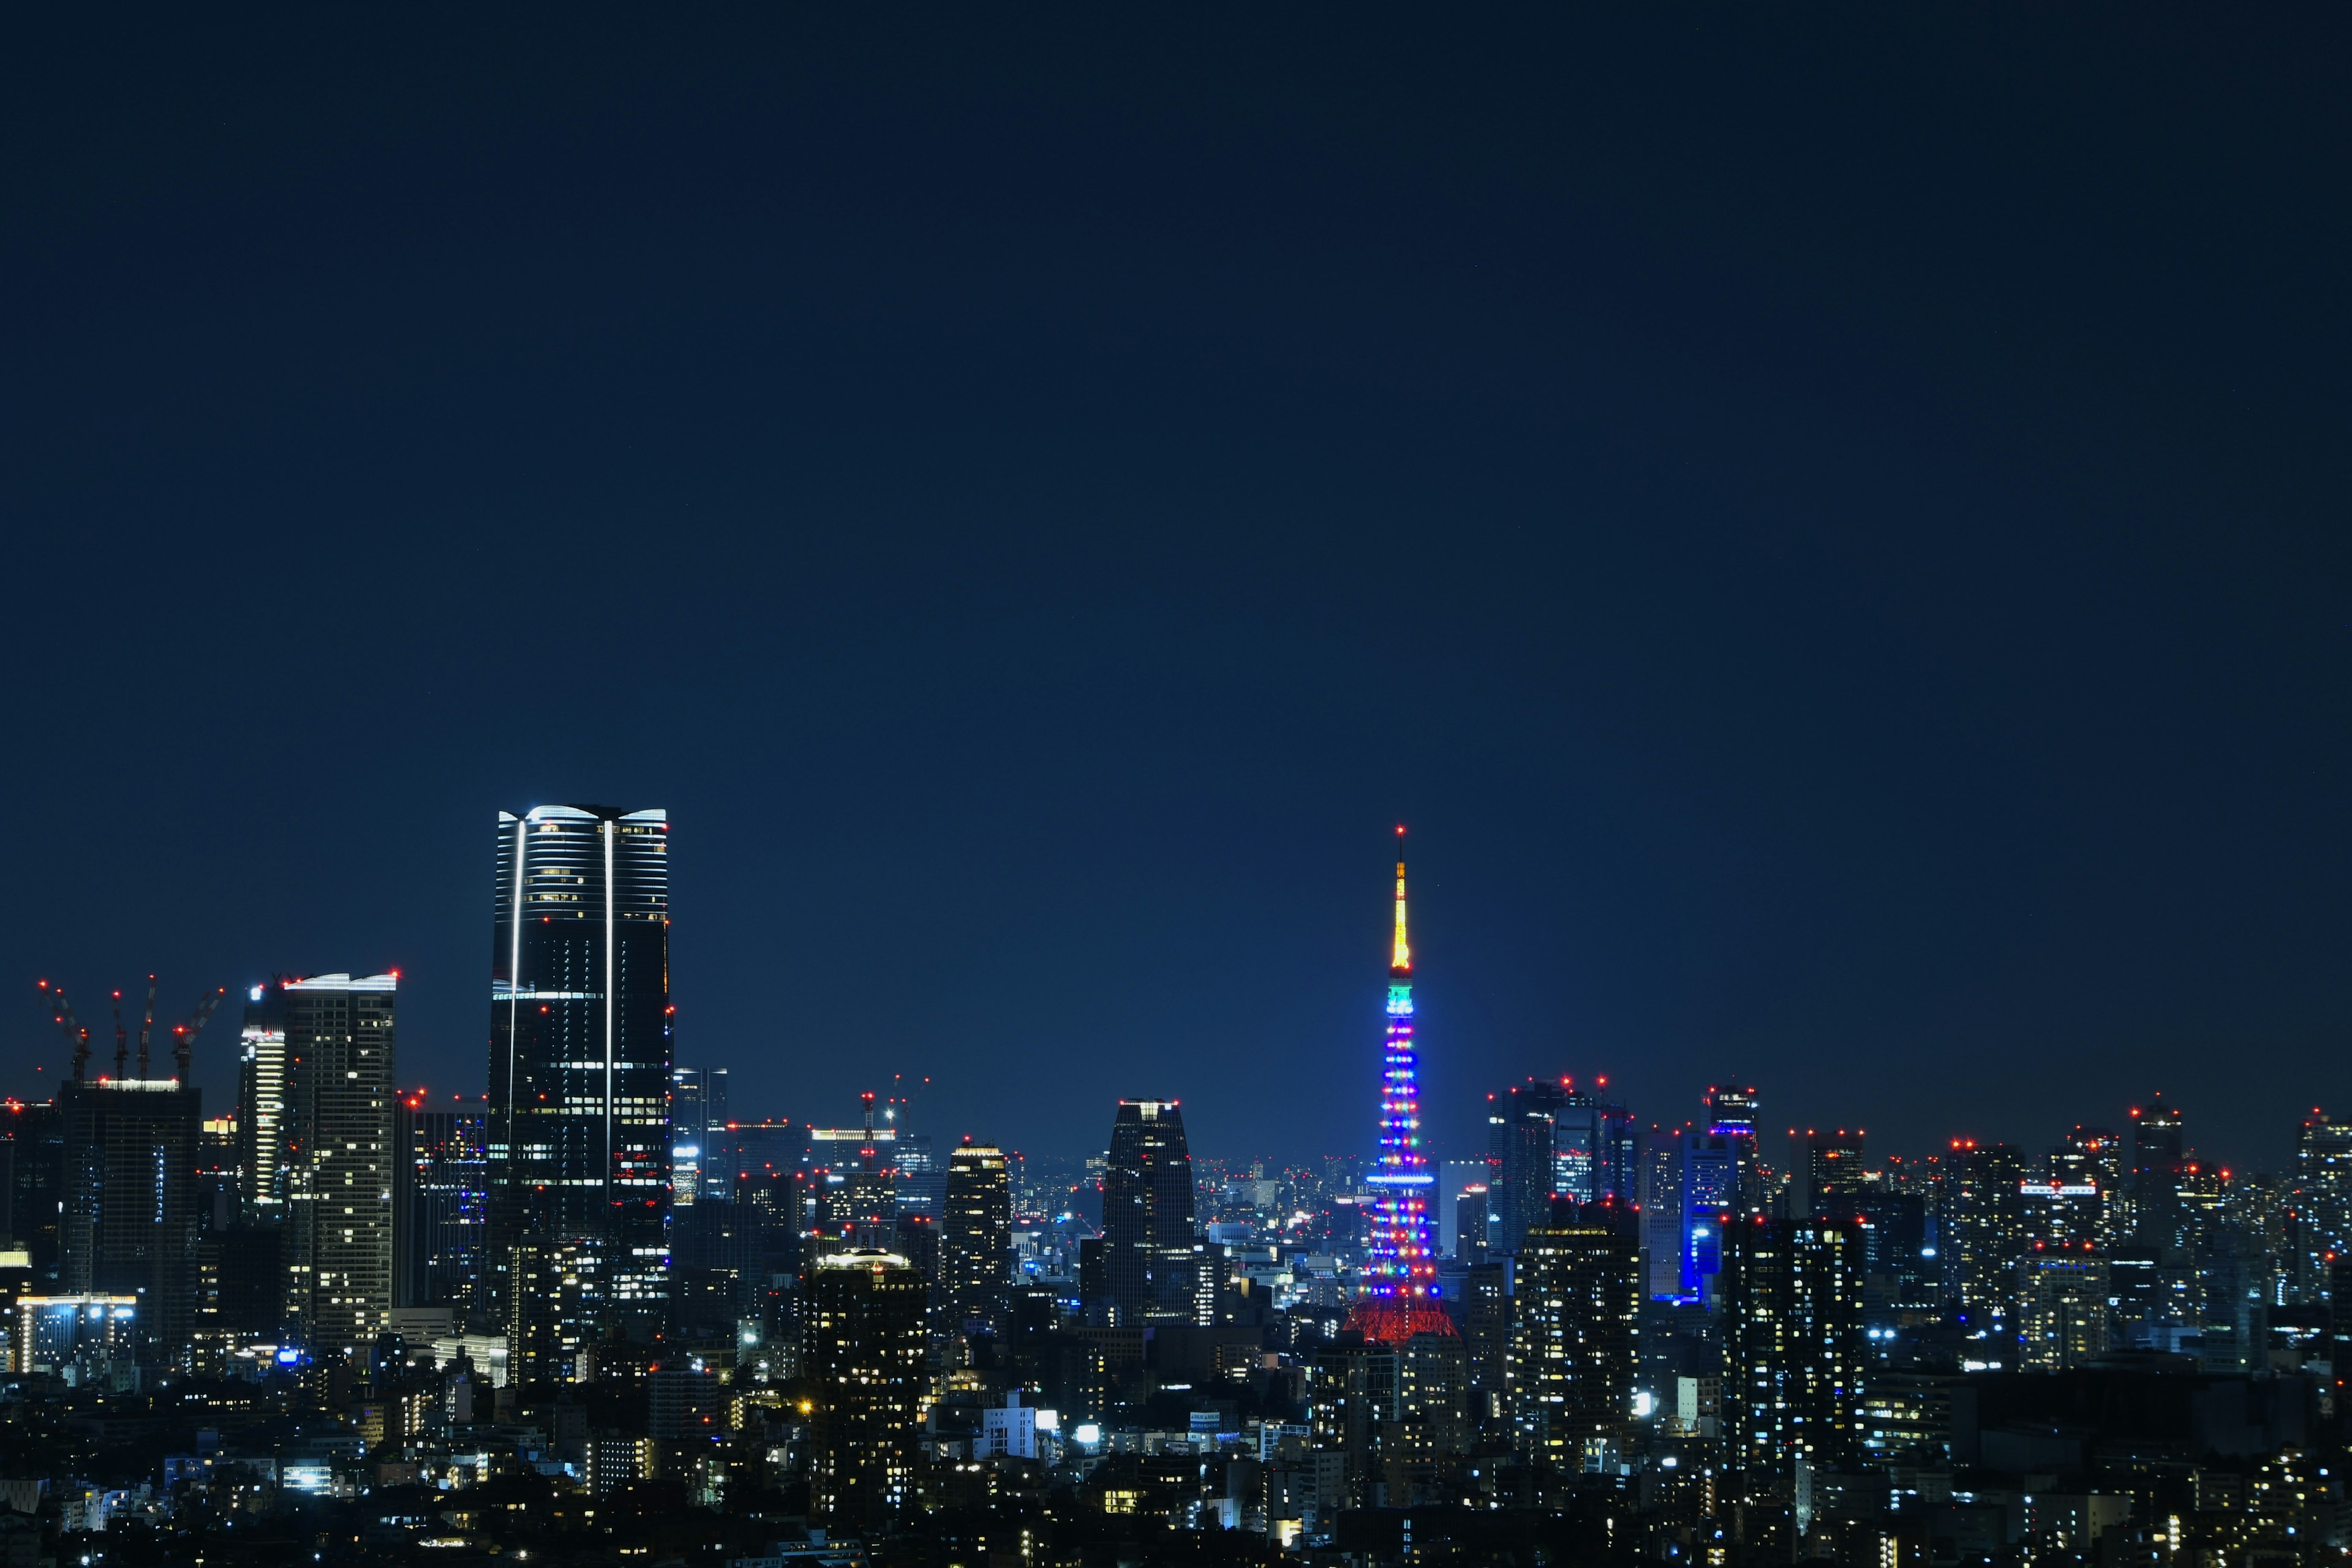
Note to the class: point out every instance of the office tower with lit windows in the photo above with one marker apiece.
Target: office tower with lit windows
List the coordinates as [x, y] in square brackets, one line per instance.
[578, 1138]
[975, 1240]
[1830, 1171]
[2093, 1157]
[440, 1206]
[2062, 1307]
[1657, 1194]
[701, 1156]
[127, 1214]
[1147, 1231]
[853, 1182]
[1719, 1171]
[337, 1174]
[1982, 1226]
[1398, 1298]
[863, 1348]
[1575, 1337]
[2321, 1197]
[1792, 1343]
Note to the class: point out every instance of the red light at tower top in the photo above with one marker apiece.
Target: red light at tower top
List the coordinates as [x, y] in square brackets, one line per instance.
[1399, 1292]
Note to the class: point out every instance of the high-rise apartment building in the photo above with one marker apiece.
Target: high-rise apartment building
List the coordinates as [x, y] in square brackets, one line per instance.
[1149, 1263]
[976, 1240]
[578, 1138]
[339, 1168]
[863, 1346]
[1792, 1339]
[263, 1133]
[1576, 1301]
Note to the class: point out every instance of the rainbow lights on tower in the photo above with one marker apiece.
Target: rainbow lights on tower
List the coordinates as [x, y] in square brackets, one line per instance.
[1400, 1291]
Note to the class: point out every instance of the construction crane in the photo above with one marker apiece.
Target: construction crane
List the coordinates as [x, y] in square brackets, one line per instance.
[184, 1036]
[146, 1026]
[76, 1036]
[121, 1041]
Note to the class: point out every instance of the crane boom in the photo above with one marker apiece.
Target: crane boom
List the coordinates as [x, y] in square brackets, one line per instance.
[146, 1025]
[121, 1041]
[76, 1036]
[184, 1035]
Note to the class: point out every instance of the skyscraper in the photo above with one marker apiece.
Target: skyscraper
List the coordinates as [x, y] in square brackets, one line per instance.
[863, 1345]
[1718, 1174]
[976, 1239]
[1399, 1292]
[338, 1175]
[1522, 1124]
[261, 1128]
[128, 1211]
[1149, 1263]
[578, 1137]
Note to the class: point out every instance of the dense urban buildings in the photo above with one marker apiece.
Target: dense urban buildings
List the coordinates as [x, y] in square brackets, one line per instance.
[591, 1291]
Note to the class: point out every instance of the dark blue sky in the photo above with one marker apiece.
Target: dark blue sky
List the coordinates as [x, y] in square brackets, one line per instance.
[1831, 529]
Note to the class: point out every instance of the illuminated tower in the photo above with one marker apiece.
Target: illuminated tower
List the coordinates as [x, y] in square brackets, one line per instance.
[1400, 1295]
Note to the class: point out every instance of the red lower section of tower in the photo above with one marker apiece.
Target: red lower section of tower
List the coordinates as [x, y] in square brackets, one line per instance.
[1393, 1320]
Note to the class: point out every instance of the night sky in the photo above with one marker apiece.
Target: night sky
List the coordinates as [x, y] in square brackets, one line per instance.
[1831, 528]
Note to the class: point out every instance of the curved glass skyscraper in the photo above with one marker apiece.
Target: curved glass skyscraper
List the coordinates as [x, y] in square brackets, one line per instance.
[578, 1134]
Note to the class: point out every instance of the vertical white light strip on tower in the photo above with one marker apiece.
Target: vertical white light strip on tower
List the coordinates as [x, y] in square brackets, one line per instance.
[609, 999]
[514, 976]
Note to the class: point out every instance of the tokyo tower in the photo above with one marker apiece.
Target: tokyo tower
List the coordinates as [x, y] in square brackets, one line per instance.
[1400, 1291]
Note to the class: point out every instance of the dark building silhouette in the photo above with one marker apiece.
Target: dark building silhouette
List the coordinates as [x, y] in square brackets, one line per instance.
[440, 1208]
[35, 1139]
[128, 1220]
[1149, 1267]
[1521, 1125]
[578, 1139]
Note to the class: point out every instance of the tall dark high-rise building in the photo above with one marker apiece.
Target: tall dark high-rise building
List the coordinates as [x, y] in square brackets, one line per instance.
[578, 1145]
[1792, 1339]
[1575, 1331]
[440, 1207]
[1149, 1264]
[863, 1346]
[2159, 1154]
[976, 1239]
[1522, 1158]
[1830, 1171]
[127, 1215]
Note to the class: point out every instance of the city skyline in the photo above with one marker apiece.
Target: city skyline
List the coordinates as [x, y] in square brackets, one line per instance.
[1458, 1123]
